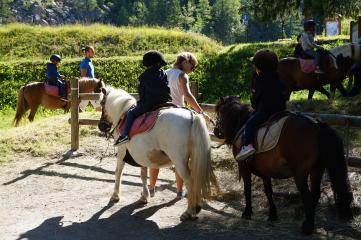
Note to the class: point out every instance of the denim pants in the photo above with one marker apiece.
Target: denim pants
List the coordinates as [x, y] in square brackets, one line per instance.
[132, 114]
[255, 120]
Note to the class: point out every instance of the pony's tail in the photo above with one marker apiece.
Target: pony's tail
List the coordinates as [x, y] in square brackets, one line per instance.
[202, 176]
[332, 154]
[21, 107]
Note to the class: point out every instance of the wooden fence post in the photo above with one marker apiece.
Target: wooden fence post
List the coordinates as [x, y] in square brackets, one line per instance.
[74, 114]
[194, 89]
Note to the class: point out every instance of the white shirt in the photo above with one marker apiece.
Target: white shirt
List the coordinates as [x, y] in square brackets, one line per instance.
[173, 83]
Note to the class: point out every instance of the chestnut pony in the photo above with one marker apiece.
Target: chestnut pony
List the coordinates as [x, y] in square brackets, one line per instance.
[305, 149]
[33, 95]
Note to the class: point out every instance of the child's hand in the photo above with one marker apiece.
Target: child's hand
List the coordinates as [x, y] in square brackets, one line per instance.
[62, 76]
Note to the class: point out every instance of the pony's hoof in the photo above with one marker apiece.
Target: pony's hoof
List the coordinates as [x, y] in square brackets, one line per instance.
[144, 199]
[307, 228]
[272, 217]
[198, 209]
[247, 215]
[114, 199]
[186, 217]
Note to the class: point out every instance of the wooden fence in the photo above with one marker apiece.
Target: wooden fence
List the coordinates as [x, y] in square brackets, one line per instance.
[332, 119]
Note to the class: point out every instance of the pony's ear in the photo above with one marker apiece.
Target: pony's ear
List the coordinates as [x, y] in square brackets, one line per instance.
[221, 99]
[104, 91]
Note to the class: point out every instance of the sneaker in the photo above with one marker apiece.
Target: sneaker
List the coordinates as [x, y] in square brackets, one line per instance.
[181, 195]
[121, 139]
[151, 191]
[245, 152]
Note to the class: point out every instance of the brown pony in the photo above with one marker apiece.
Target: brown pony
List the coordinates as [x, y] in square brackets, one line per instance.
[305, 148]
[33, 95]
[295, 79]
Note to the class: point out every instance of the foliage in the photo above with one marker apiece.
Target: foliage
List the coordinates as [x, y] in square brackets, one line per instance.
[19, 41]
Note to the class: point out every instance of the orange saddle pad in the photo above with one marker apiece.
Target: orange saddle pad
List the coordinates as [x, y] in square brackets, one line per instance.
[307, 65]
[141, 124]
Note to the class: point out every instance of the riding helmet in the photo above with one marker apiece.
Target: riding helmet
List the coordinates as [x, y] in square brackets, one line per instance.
[309, 24]
[153, 58]
[55, 57]
[265, 60]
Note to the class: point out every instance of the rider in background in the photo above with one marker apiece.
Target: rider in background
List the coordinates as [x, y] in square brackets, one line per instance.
[54, 77]
[308, 43]
[153, 90]
[86, 65]
[267, 97]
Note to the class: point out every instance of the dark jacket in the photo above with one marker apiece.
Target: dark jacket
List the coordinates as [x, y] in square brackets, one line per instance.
[267, 93]
[298, 50]
[52, 72]
[153, 87]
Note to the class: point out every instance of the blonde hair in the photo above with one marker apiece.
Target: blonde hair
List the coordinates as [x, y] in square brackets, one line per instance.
[185, 56]
[87, 49]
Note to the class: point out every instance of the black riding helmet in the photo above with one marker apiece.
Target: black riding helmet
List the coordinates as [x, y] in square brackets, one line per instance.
[153, 58]
[309, 24]
[55, 57]
[265, 60]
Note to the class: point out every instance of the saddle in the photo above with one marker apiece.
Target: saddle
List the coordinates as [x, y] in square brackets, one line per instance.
[267, 134]
[54, 90]
[144, 122]
[308, 64]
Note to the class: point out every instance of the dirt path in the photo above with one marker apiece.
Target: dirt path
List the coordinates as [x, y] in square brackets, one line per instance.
[54, 198]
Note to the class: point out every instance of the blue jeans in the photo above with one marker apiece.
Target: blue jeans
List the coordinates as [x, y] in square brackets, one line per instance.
[255, 120]
[314, 54]
[132, 114]
[60, 84]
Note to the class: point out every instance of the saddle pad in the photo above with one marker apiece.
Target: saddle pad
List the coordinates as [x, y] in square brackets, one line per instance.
[307, 65]
[267, 137]
[51, 90]
[141, 124]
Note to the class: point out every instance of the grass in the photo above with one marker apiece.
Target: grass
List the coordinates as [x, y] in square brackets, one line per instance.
[21, 41]
[48, 134]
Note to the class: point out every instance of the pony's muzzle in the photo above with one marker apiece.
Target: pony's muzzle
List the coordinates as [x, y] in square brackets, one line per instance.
[104, 126]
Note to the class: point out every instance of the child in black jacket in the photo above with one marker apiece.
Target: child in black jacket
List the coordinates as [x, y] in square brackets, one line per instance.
[152, 88]
[267, 97]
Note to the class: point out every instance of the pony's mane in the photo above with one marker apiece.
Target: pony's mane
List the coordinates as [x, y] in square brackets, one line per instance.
[118, 103]
[88, 82]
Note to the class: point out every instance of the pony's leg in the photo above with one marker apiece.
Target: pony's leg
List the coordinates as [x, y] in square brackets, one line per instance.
[310, 94]
[324, 92]
[32, 113]
[145, 197]
[118, 173]
[247, 181]
[302, 186]
[316, 177]
[268, 191]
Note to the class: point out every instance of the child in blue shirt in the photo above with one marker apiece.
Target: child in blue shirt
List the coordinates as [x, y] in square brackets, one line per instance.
[54, 77]
[152, 88]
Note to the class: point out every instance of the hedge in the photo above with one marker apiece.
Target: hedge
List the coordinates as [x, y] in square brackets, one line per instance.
[226, 73]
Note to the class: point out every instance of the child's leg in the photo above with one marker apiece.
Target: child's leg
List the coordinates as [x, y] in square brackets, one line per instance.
[61, 86]
[153, 176]
[179, 182]
[256, 119]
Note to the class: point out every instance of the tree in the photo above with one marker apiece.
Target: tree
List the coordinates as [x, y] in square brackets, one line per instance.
[139, 14]
[173, 13]
[271, 10]
[4, 10]
[202, 17]
[188, 19]
[226, 19]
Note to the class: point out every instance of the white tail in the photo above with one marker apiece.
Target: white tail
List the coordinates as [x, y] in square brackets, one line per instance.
[202, 176]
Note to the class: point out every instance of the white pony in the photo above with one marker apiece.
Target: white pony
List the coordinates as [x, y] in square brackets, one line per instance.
[178, 137]
[352, 50]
